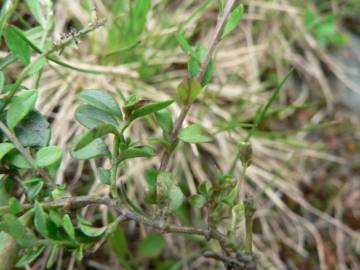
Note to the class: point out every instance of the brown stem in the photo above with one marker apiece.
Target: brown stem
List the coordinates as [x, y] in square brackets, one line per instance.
[215, 38]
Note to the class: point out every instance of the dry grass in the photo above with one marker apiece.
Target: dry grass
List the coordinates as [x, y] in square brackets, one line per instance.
[292, 232]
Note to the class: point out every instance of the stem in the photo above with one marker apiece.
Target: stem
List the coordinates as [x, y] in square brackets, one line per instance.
[249, 213]
[114, 169]
[216, 37]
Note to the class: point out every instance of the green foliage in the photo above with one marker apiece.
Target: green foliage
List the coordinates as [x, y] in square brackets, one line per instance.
[188, 90]
[19, 107]
[324, 29]
[193, 134]
[233, 20]
[101, 100]
[152, 245]
[17, 45]
[47, 156]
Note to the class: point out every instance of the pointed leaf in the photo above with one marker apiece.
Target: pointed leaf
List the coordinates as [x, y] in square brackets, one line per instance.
[151, 108]
[29, 257]
[5, 148]
[233, 20]
[17, 45]
[188, 90]
[68, 226]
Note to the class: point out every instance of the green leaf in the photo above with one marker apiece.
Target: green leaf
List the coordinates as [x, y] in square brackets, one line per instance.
[184, 44]
[208, 73]
[47, 156]
[188, 90]
[164, 118]
[52, 257]
[92, 231]
[135, 152]
[20, 106]
[35, 8]
[96, 148]
[104, 176]
[68, 226]
[33, 130]
[176, 197]
[101, 100]
[14, 206]
[5, 148]
[150, 108]
[197, 201]
[92, 117]
[17, 45]
[35, 189]
[40, 220]
[12, 226]
[15, 158]
[93, 134]
[132, 100]
[260, 116]
[152, 245]
[79, 255]
[233, 20]
[29, 257]
[193, 134]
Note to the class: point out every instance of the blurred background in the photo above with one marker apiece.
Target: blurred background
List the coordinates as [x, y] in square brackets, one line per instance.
[305, 174]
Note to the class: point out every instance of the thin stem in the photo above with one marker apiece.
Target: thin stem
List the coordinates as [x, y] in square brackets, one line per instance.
[216, 37]
[114, 169]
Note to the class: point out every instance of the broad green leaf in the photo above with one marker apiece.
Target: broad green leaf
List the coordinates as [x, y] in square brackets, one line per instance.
[92, 117]
[12, 226]
[33, 130]
[188, 90]
[29, 257]
[135, 152]
[176, 197]
[17, 45]
[68, 226]
[5, 148]
[40, 220]
[101, 100]
[96, 148]
[92, 231]
[56, 218]
[152, 245]
[93, 134]
[14, 206]
[35, 8]
[233, 20]
[104, 176]
[164, 118]
[20, 106]
[193, 134]
[150, 108]
[197, 201]
[47, 156]
[15, 158]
